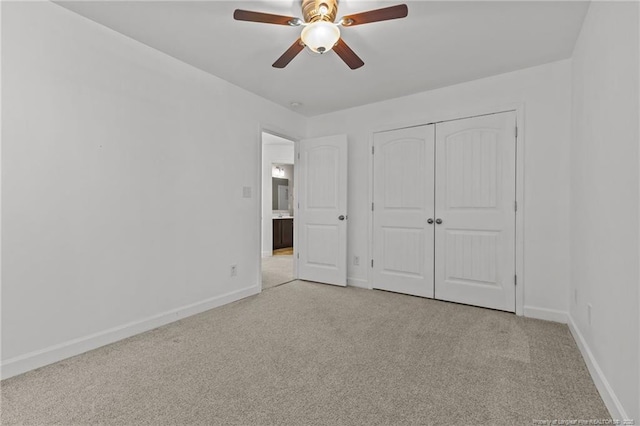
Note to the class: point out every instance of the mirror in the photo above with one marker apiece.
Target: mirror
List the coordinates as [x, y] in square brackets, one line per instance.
[280, 194]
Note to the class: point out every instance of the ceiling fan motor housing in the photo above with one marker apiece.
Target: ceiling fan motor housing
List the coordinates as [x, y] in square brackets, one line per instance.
[311, 10]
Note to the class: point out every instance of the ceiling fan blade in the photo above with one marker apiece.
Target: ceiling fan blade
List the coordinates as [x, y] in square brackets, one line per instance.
[266, 18]
[384, 14]
[347, 55]
[288, 56]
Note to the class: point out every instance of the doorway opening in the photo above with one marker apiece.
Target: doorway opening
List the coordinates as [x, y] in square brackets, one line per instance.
[278, 182]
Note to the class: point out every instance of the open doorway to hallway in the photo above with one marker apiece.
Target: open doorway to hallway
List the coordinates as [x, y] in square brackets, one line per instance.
[278, 184]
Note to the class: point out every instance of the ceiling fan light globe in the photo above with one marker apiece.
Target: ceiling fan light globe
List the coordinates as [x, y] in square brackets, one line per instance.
[320, 36]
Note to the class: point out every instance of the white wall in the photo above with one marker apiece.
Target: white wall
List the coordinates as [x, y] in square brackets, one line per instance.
[605, 244]
[274, 150]
[545, 93]
[123, 175]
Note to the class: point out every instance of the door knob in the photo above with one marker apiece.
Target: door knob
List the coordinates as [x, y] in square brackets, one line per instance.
[438, 221]
[429, 221]
[341, 217]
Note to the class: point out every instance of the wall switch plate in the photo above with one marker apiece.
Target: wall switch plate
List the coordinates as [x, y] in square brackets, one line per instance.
[234, 270]
[246, 192]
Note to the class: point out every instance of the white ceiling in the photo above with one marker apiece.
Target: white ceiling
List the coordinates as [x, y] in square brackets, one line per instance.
[437, 45]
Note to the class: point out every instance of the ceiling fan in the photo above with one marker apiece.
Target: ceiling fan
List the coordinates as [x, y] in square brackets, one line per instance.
[320, 32]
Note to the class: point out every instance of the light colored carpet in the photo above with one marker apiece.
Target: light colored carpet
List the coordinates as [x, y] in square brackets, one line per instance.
[304, 353]
[276, 270]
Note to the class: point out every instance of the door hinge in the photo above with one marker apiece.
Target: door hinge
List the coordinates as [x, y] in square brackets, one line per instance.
[373, 150]
[298, 256]
[516, 131]
[372, 263]
[371, 206]
[515, 206]
[515, 280]
[298, 156]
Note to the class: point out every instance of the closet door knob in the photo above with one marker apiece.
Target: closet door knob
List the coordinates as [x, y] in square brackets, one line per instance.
[438, 221]
[430, 221]
[341, 217]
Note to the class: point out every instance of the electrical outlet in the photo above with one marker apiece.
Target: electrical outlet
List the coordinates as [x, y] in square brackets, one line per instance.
[234, 270]
[356, 260]
[589, 314]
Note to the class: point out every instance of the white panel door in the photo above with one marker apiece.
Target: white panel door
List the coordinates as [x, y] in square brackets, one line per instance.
[474, 209]
[322, 212]
[403, 192]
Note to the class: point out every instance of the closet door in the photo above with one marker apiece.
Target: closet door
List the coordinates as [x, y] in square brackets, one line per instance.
[474, 210]
[403, 202]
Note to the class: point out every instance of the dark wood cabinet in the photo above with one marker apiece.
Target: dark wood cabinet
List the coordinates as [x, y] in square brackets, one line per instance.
[287, 232]
[282, 233]
[277, 233]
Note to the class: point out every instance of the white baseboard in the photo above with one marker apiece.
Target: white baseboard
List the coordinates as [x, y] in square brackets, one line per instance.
[609, 397]
[546, 314]
[30, 361]
[267, 253]
[358, 282]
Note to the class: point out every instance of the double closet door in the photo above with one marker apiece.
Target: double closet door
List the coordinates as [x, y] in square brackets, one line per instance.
[444, 211]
